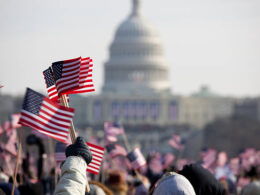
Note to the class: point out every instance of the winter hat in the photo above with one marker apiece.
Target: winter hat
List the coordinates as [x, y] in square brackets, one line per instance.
[173, 183]
[79, 148]
[202, 180]
[252, 188]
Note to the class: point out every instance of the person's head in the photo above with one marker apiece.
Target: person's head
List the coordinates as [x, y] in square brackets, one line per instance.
[173, 183]
[252, 173]
[202, 180]
[116, 182]
[252, 189]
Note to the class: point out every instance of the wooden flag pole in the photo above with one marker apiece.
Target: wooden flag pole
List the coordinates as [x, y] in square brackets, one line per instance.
[126, 142]
[64, 102]
[17, 160]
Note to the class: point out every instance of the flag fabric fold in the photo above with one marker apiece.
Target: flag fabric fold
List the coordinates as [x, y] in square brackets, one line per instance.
[112, 130]
[66, 74]
[85, 77]
[45, 116]
[50, 85]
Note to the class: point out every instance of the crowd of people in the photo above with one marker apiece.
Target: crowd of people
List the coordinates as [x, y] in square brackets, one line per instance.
[159, 176]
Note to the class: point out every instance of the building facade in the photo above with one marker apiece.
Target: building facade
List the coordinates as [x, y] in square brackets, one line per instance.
[136, 86]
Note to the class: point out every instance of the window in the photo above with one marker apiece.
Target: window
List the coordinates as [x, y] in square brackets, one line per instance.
[173, 111]
[97, 111]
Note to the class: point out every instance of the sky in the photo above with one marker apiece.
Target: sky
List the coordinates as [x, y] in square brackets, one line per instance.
[214, 43]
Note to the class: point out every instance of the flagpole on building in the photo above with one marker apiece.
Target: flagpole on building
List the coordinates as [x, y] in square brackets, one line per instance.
[17, 160]
[65, 103]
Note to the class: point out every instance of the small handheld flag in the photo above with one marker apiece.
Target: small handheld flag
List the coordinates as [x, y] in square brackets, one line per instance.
[115, 150]
[136, 158]
[50, 85]
[45, 116]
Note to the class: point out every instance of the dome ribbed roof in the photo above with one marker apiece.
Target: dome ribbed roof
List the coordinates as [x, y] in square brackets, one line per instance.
[136, 53]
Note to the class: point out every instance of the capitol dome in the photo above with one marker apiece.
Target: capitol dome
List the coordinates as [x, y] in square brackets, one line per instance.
[136, 63]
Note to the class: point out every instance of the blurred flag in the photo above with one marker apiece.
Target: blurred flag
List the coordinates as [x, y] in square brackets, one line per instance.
[50, 85]
[60, 152]
[115, 150]
[176, 142]
[136, 158]
[208, 158]
[45, 116]
[112, 129]
[66, 75]
[97, 156]
[14, 121]
[7, 125]
[11, 145]
[85, 77]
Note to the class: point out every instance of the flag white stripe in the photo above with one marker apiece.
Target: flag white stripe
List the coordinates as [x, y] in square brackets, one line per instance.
[54, 120]
[67, 87]
[63, 80]
[72, 63]
[97, 162]
[97, 158]
[93, 169]
[64, 74]
[97, 154]
[40, 125]
[95, 149]
[58, 110]
[67, 119]
[47, 133]
[93, 165]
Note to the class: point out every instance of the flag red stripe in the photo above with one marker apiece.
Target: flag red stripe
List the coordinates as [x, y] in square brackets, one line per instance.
[55, 135]
[42, 123]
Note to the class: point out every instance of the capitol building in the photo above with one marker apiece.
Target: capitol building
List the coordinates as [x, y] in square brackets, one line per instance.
[136, 87]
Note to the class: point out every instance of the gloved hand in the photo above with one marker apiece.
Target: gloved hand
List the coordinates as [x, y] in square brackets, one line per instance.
[79, 148]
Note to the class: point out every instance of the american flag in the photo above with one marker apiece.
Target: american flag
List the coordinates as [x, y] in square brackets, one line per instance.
[115, 150]
[97, 156]
[45, 116]
[85, 77]
[60, 152]
[50, 85]
[112, 129]
[136, 158]
[175, 142]
[66, 75]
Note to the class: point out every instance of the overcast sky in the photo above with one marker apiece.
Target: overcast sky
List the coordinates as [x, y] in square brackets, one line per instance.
[213, 42]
